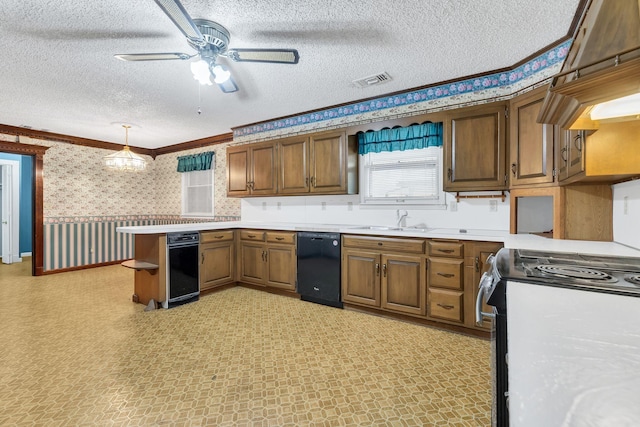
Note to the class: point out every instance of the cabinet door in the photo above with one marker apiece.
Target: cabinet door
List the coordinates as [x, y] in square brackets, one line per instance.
[237, 171]
[403, 283]
[361, 277]
[531, 142]
[252, 263]
[294, 166]
[328, 163]
[576, 146]
[474, 151]
[217, 264]
[263, 170]
[281, 267]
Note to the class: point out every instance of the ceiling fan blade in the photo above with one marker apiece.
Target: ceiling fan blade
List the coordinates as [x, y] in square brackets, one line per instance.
[278, 56]
[229, 86]
[177, 13]
[152, 56]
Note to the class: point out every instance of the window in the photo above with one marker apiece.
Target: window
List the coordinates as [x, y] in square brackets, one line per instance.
[197, 193]
[409, 176]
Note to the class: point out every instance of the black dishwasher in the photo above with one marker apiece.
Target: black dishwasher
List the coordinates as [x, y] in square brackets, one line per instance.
[319, 268]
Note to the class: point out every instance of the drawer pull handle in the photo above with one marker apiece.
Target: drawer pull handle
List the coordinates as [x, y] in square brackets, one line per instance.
[379, 243]
[219, 237]
[446, 275]
[377, 269]
[279, 238]
[384, 270]
[446, 251]
[251, 236]
[446, 306]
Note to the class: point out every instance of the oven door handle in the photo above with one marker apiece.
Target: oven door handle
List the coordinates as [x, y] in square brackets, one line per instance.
[485, 282]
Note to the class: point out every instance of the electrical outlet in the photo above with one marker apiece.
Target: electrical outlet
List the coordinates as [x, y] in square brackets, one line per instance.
[625, 206]
[493, 206]
[264, 206]
[279, 205]
[453, 206]
[349, 206]
[324, 206]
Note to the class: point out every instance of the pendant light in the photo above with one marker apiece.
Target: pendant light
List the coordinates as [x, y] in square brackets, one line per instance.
[125, 160]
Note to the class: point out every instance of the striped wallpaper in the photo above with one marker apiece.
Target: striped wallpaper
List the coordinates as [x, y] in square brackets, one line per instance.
[75, 242]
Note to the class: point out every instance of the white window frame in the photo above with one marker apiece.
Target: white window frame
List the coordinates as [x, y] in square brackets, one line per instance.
[433, 158]
[186, 176]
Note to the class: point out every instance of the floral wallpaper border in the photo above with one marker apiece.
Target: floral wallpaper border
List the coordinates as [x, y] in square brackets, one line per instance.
[109, 218]
[464, 91]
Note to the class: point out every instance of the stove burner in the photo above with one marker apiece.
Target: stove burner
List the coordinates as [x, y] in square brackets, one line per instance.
[576, 272]
[633, 278]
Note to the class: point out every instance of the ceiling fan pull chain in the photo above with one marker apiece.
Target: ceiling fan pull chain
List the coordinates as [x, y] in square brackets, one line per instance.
[199, 99]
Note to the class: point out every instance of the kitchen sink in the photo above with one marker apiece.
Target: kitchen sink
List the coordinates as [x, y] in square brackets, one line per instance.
[377, 228]
[416, 229]
[384, 228]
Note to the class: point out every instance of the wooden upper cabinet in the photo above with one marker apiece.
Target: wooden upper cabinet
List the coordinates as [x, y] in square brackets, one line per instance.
[531, 143]
[251, 170]
[570, 153]
[474, 148]
[238, 171]
[293, 177]
[263, 169]
[328, 163]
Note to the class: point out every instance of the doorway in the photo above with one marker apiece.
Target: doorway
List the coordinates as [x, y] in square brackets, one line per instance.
[10, 211]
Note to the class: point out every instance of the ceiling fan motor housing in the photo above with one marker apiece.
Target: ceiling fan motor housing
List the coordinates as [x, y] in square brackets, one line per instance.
[216, 36]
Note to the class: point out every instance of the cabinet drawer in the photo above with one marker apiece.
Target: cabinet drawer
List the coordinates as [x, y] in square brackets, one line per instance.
[281, 237]
[446, 305]
[415, 246]
[446, 273]
[257, 235]
[216, 236]
[448, 249]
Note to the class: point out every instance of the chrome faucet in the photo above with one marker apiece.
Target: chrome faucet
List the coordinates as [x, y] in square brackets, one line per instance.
[402, 218]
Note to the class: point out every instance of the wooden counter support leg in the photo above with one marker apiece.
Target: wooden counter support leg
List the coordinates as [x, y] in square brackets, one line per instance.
[149, 264]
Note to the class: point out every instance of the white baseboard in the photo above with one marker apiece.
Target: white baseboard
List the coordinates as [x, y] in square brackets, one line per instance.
[25, 254]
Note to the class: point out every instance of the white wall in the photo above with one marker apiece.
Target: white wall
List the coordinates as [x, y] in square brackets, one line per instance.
[469, 213]
[626, 213]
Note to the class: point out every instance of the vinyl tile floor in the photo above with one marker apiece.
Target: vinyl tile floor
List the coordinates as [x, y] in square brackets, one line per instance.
[77, 352]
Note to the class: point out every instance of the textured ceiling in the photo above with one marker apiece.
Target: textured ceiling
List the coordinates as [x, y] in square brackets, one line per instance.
[58, 72]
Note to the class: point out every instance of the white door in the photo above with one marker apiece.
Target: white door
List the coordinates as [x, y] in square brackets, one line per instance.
[10, 211]
[7, 243]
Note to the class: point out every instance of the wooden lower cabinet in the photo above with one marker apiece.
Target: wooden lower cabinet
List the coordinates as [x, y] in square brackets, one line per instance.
[390, 281]
[268, 259]
[361, 277]
[252, 263]
[217, 259]
[281, 266]
[403, 283]
[446, 281]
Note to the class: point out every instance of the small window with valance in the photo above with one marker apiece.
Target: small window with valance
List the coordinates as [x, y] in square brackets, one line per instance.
[402, 165]
[197, 172]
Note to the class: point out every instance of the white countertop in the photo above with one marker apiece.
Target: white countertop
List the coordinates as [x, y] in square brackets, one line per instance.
[512, 241]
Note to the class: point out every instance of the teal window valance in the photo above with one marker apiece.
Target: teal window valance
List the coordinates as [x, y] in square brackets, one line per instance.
[401, 139]
[195, 162]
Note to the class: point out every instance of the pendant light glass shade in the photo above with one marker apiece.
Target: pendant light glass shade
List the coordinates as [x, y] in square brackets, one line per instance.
[125, 160]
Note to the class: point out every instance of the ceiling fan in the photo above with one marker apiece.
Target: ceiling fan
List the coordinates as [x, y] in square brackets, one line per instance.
[211, 40]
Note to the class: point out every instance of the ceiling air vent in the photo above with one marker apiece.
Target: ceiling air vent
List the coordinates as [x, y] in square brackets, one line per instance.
[376, 79]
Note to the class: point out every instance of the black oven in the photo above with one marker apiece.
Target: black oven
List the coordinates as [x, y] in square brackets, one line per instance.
[183, 284]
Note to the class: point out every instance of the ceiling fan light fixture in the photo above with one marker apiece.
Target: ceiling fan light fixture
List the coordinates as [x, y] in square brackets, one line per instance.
[220, 74]
[125, 160]
[200, 70]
